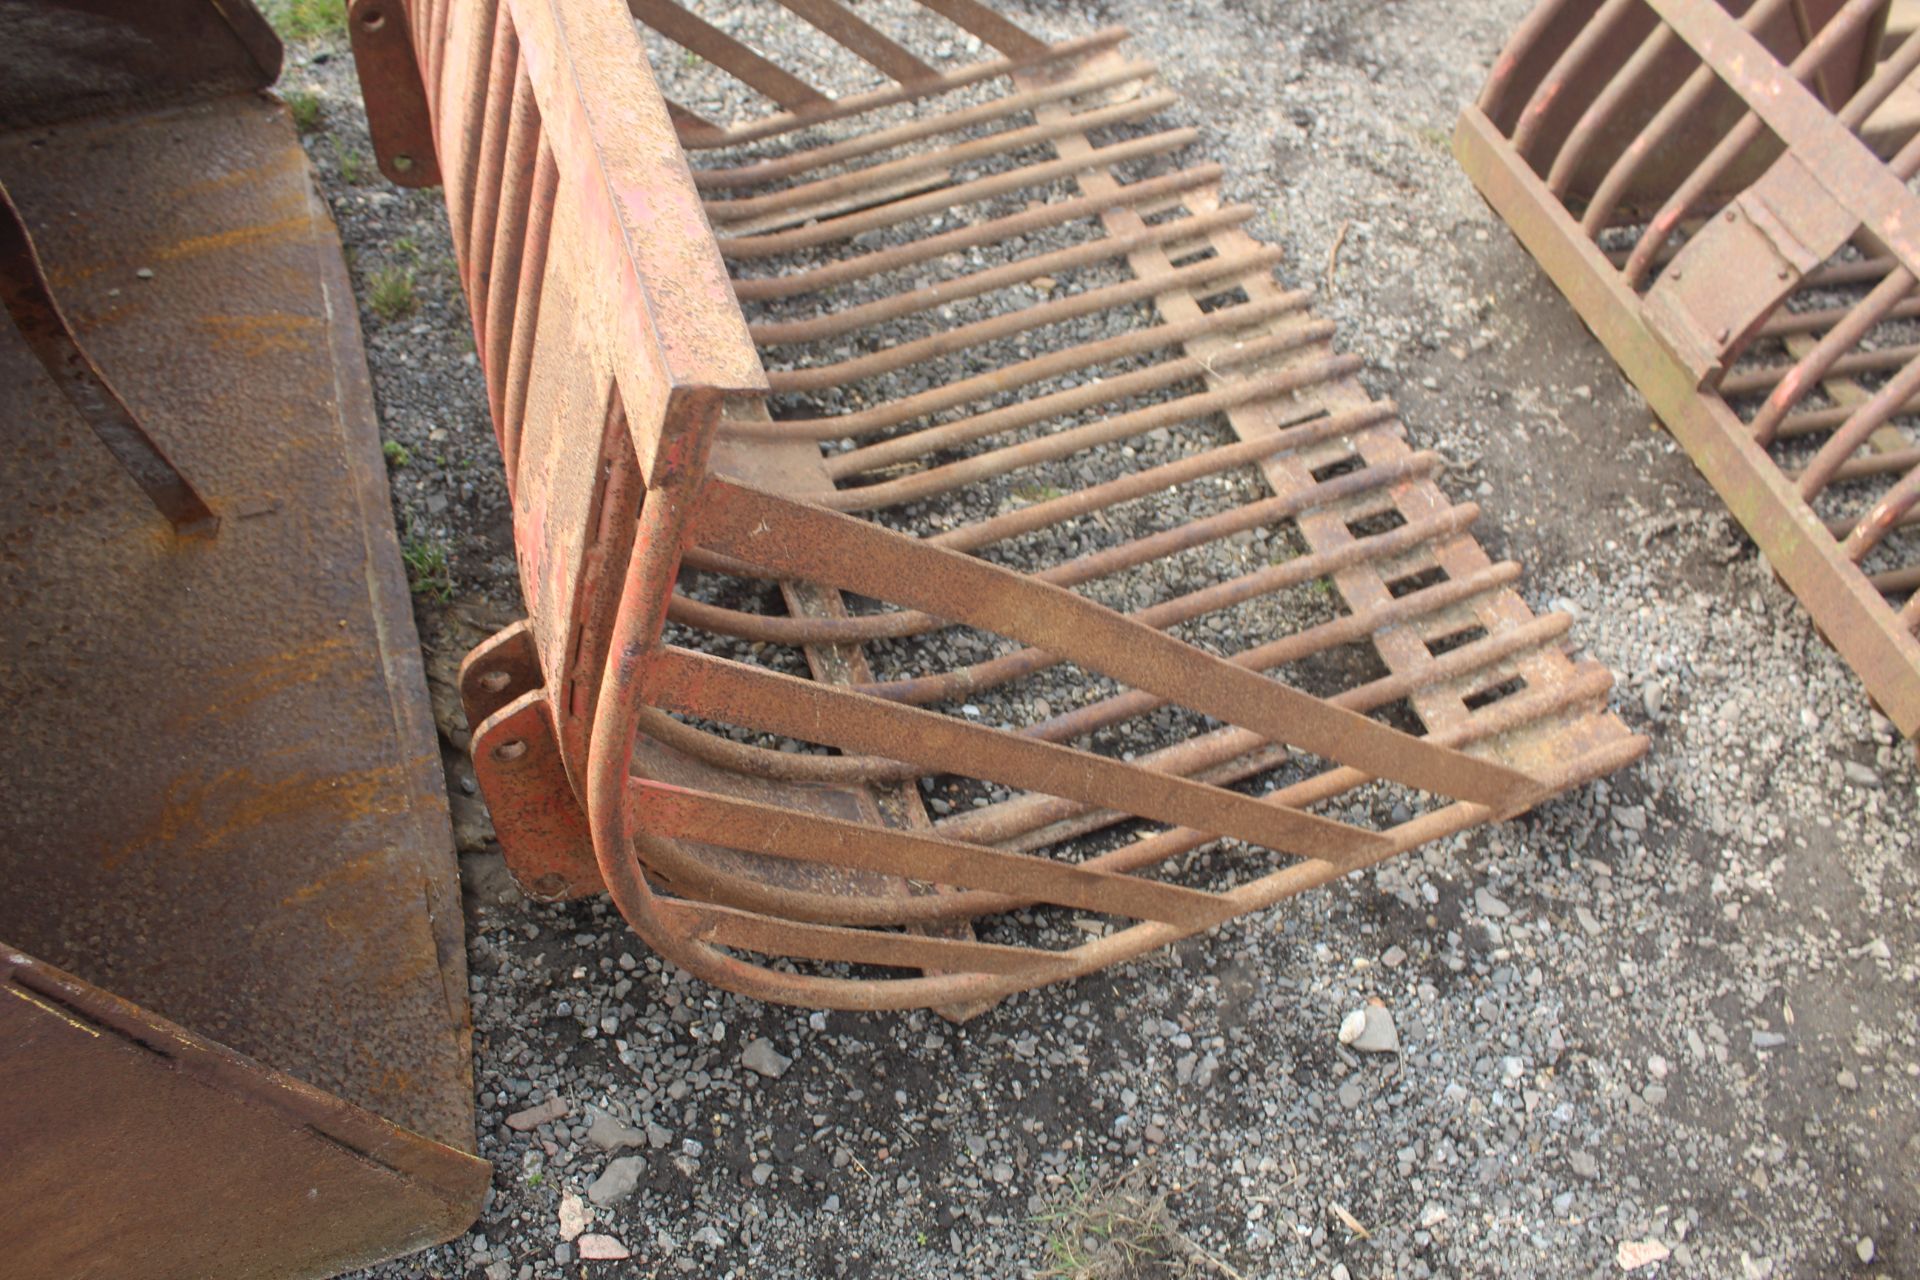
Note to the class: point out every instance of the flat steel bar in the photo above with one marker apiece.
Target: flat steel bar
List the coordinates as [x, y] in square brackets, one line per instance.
[701, 37]
[908, 622]
[799, 540]
[37, 315]
[697, 684]
[863, 41]
[682, 814]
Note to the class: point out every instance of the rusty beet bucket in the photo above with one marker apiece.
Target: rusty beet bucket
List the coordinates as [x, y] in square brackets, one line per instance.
[233, 1016]
[1722, 191]
[880, 606]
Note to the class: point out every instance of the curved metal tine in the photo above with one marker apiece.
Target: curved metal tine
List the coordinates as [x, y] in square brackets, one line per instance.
[1199, 275]
[1677, 111]
[1833, 346]
[1552, 87]
[992, 231]
[834, 191]
[924, 296]
[806, 542]
[932, 124]
[1621, 89]
[1042, 368]
[848, 225]
[857, 104]
[1053, 446]
[1883, 517]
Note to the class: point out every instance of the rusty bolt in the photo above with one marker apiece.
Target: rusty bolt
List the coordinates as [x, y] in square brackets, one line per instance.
[494, 681]
[508, 752]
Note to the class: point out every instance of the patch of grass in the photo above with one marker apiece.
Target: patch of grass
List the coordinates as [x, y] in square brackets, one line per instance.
[390, 293]
[1038, 492]
[304, 106]
[428, 571]
[306, 19]
[1118, 1229]
[691, 59]
[397, 455]
[408, 246]
[353, 165]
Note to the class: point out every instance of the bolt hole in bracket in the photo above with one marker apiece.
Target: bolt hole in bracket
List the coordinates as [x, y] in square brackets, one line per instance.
[726, 707]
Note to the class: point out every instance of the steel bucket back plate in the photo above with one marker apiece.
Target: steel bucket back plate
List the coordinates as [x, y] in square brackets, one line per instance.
[223, 796]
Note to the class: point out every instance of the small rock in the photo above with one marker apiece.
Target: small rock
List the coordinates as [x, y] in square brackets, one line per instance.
[1635, 1254]
[1002, 1173]
[711, 1237]
[598, 1248]
[761, 1173]
[1488, 905]
[1864, 1250]
[1340, 1272]
[1393, 957]
[574, 1216]
[610, 1133]
[617, 1182]
[1585, 1165]
[1351, 1094]
[1768, 1039]
[533, 1117]
[658, 1137]
[1860, 775]
[1370, 1030]
[1847, 1080]
[761, 1057]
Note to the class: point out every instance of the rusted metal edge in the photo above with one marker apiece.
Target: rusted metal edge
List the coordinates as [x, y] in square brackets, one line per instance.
[312, 1185]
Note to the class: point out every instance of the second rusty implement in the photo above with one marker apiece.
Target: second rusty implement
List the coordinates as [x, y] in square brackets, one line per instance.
[1722, 192]
[930, 508]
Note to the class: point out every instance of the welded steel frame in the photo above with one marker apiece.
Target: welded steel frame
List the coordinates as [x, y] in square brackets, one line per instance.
[1679, 339]
[629, 403]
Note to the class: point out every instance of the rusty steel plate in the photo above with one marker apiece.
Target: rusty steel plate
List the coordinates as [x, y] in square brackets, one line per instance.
[1762, 297]
[137, 1148]
[223, 795]
[815, 489]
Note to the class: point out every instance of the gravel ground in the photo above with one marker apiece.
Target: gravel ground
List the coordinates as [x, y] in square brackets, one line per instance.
[1674, 1013]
